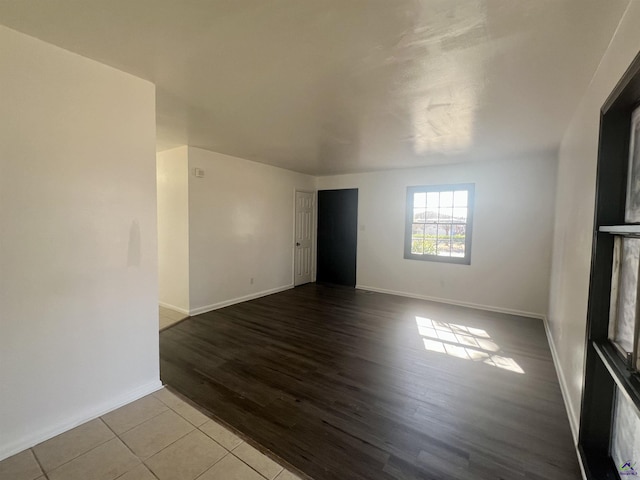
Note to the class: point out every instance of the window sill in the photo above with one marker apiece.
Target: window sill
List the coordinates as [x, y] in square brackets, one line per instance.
[439, 259]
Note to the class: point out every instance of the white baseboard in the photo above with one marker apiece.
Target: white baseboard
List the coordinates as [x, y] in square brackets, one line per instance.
[173, 307]
[233, 301]
[571, 413]
[34, 438]
[573, 417]
[488, 308]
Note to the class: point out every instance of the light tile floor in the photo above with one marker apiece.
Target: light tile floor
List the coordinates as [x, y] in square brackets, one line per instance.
[159, 437]
[169, 317]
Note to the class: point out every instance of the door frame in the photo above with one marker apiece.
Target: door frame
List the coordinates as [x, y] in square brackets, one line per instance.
[314, 235]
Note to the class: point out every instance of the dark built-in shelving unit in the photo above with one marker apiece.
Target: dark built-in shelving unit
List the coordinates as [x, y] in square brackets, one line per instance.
[605, 368]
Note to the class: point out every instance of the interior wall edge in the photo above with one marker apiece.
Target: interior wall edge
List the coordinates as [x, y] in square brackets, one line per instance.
[488, 308]
[35, 438]
[172, 173]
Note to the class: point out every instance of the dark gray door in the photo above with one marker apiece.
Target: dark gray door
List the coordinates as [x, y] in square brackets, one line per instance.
[337, 236]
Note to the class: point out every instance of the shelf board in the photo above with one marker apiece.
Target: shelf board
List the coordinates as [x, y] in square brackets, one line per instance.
[626, 230]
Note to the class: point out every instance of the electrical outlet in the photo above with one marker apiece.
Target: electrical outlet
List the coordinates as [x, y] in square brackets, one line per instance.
[251, 281]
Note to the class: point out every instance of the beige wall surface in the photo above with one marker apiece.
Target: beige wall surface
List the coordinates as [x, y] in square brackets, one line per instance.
[511, 243]
[240, 228]
[78, 253]
[173, 228]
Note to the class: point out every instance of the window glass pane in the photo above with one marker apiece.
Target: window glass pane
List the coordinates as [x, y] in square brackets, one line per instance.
[417, 238]
[430, 236]
[458, 241]
[625, 437]
[433, 199]
[446, 199]
[460, 198]
[445, 214]
[432, 214]
[444, 240]
[419, 215]
[460, 214]
[419, 199]
[459, 231]
[632, 210]
[627, 294]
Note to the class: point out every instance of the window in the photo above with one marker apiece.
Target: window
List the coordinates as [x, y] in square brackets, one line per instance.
[609, 435]
[624, 298]
[624, 324]
[625, 436]
[438, 224]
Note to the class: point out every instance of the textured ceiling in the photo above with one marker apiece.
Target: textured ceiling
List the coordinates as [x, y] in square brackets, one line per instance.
[336, 86]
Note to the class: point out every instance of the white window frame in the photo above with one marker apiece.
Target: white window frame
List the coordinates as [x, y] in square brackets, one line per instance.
[409, 221]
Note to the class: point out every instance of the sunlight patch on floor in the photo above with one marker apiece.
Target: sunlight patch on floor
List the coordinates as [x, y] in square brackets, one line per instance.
[463, 342]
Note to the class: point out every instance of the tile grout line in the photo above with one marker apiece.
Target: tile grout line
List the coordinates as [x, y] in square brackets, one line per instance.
[135, 426]
[228, 451]
[46, 474]
[263, 476]
[182, 416]
[127, 447]
[214, 420]
[33, 452]
[194, 429]
[214, 463]
[211, 438]
[143, 461]
[129, 471]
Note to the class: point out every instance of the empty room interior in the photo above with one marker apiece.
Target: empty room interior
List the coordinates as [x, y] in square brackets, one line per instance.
[341, 239]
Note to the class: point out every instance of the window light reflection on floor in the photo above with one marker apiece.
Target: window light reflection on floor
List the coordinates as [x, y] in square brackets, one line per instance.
[464, 342]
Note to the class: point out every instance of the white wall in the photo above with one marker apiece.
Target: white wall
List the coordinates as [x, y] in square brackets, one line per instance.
[575, 200]
[173, 228]
[511, 243]
[78, 261]
[241, 227]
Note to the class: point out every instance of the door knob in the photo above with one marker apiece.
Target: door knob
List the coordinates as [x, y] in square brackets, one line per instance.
[297, 244]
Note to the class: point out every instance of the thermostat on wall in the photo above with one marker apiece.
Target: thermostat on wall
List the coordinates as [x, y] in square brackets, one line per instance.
[198, 172]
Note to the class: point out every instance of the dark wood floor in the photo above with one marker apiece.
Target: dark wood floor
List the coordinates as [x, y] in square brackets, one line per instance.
[347, 384]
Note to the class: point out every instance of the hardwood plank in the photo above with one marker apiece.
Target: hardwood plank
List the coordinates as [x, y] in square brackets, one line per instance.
[341, 383]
